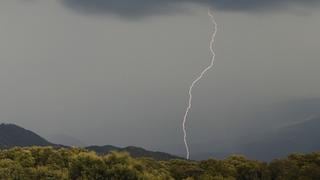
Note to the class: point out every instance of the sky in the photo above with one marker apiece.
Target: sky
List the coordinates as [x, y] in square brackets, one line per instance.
[118, 72]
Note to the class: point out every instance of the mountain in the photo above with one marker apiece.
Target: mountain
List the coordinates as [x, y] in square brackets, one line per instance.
[134, 152]
[302, 137]
[12, 135]
[272, 131]
[297, 137]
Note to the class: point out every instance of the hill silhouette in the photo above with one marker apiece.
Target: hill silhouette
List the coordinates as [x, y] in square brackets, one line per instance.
[297, 137]
[12, 135]
[133, 151]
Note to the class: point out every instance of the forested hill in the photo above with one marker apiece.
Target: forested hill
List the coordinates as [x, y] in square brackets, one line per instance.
[12, 135]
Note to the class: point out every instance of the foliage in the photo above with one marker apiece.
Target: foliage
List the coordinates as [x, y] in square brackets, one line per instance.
[37, 163]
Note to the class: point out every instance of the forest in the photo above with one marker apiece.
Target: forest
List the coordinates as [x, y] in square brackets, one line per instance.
[37, 163]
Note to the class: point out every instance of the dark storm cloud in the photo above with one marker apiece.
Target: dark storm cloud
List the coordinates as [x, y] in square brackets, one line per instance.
[135, 8]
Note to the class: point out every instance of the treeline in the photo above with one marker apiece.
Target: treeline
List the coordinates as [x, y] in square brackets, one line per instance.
[50, 163]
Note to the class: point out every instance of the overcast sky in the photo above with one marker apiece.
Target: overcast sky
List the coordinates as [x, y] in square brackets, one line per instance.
[117, 72]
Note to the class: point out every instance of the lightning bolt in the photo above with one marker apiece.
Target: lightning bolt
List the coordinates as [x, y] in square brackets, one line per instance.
[215, 27]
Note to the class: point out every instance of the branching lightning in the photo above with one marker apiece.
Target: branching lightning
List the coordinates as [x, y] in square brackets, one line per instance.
[215, 27]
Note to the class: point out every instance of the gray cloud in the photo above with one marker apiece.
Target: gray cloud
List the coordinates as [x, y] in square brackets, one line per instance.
[138, 8]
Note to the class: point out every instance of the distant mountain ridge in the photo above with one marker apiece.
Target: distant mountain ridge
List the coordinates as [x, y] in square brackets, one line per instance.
[300, 137]
[297, 137]
[133, 151]
[12, 135]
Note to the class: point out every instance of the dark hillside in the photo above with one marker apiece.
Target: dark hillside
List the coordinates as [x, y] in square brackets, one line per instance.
[133, 151]
[12, 135]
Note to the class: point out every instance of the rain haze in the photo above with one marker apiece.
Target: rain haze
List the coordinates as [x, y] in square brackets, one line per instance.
[118, 72]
